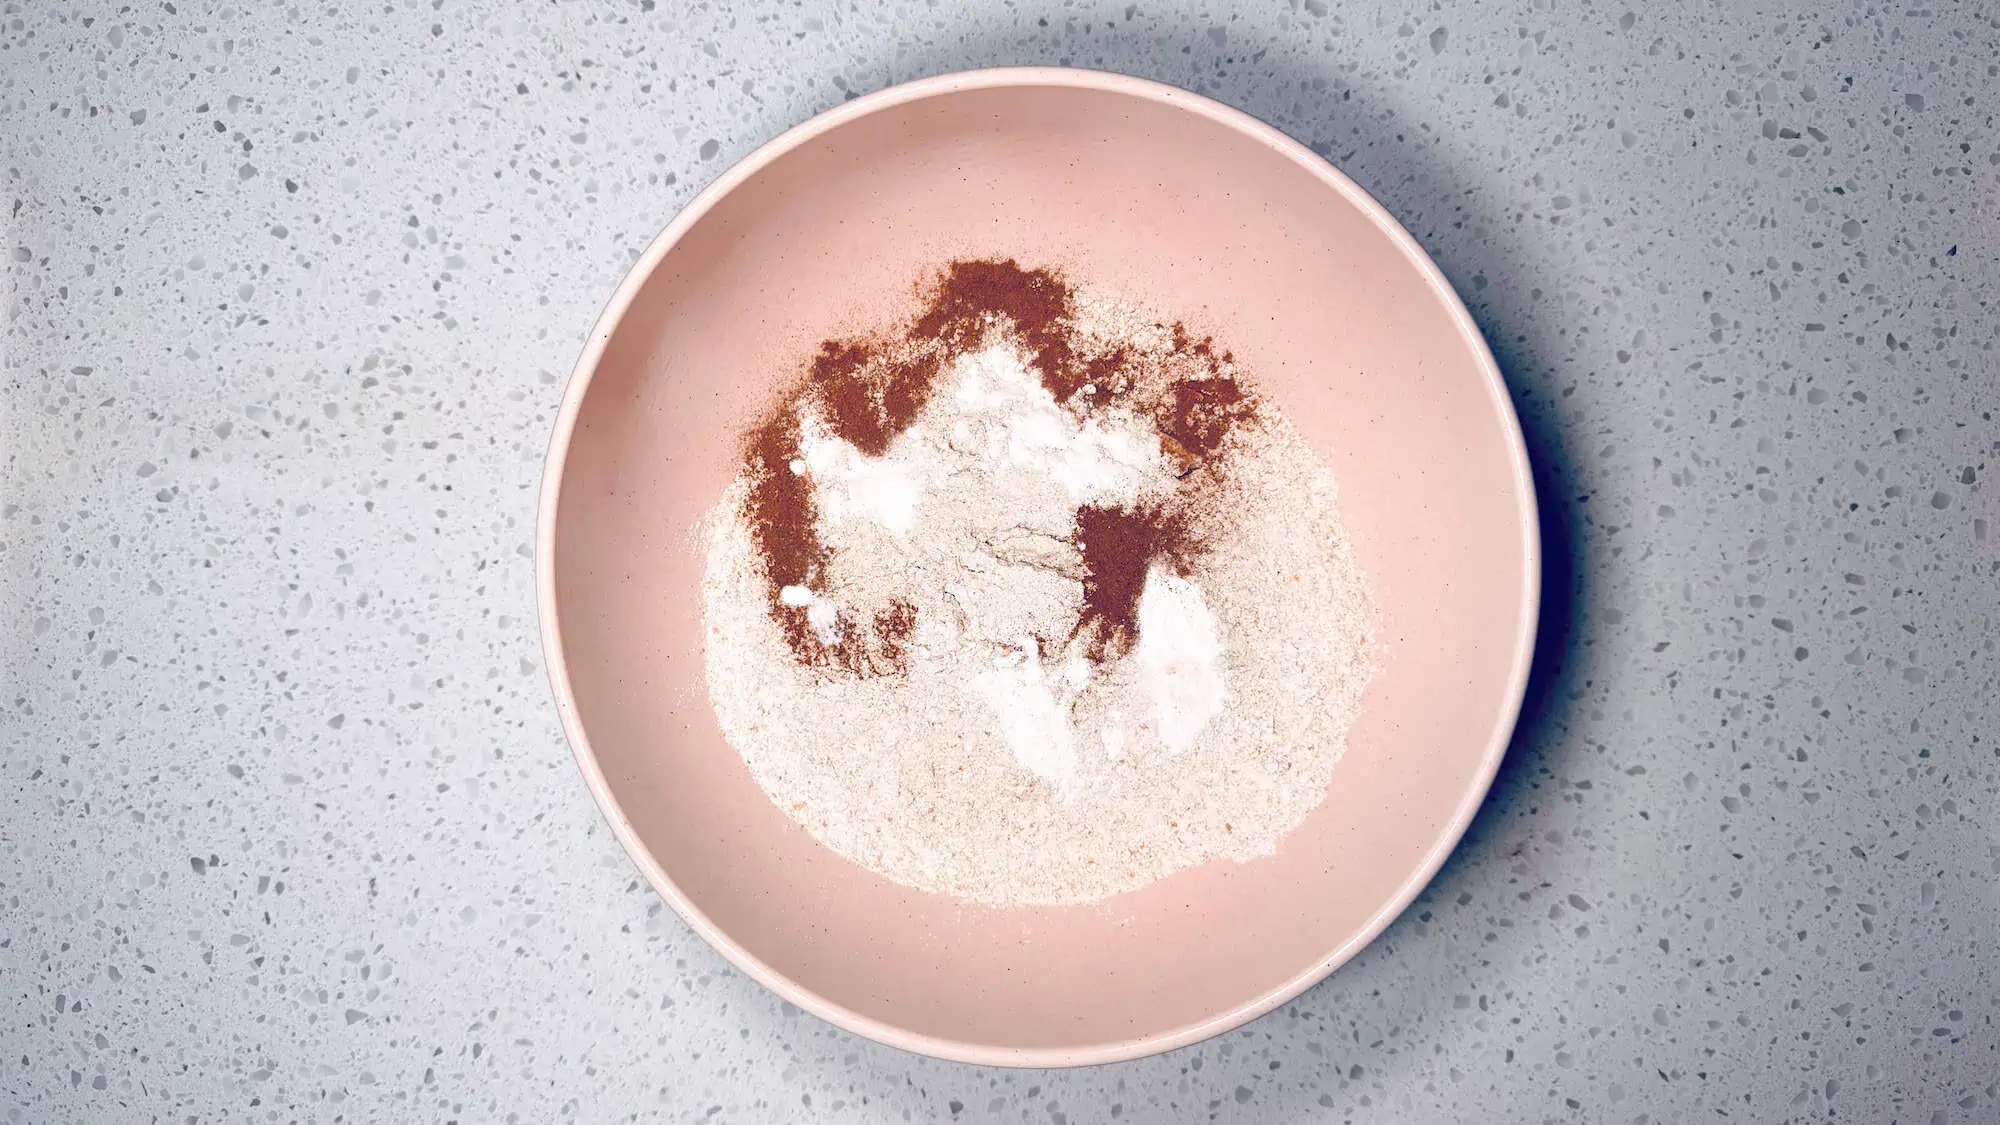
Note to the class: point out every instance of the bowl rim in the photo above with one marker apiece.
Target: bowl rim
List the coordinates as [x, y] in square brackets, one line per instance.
[550, 501]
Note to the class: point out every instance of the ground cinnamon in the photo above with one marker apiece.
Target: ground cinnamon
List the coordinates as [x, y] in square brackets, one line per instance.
[1119, 546]
[871, 393]
[1106, 376]
[892, 633]
[783, 518]
[1198, 414]
[1038, 302]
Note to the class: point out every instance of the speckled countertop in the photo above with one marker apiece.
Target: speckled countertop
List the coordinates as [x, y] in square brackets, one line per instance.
[288, 831]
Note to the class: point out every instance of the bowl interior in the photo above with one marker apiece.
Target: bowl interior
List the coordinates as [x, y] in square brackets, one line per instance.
[1172, 203]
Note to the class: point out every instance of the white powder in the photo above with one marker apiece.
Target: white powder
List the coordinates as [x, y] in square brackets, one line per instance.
[1004, 767]
[850, 485]
[1011, 420]
[822, 615]
[1032, 720]
[1179, 658]
[1006, 421]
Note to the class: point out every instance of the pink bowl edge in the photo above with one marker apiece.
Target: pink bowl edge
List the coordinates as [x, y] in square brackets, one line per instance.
[550, 501]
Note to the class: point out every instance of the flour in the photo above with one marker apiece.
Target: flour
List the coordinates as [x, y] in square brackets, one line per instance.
[1010, 760]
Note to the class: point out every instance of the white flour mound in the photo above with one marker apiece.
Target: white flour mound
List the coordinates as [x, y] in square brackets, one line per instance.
[1006, 769]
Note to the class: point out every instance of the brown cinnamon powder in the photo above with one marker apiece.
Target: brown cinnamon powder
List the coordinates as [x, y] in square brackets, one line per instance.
[892, 633]
[871, 393]
[1119, 546]
[1199, 413]
[1037, 301]
[782, 512]
[1105, 375]
[784, 521]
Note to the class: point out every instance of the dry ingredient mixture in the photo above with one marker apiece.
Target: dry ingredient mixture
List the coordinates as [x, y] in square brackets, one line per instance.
[1034, 601]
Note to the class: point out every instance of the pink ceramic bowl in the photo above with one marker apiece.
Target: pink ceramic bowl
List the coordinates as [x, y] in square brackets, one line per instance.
[1180, 204]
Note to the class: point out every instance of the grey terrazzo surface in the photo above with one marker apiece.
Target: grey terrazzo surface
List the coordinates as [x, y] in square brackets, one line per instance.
[288, 831]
